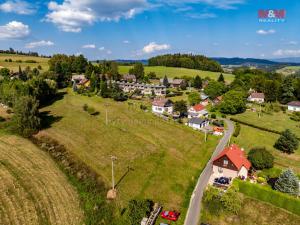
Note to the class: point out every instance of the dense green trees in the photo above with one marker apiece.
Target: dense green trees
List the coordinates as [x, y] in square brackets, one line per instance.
[181, 107]
[287, 182]
[287, 142]
[260, 158]
[138, 71]
[215, 89]
[4, 73]
[25, 120]
[287, 90]
[233, 102]
[194, 98]
[197, 82]
[186, 61]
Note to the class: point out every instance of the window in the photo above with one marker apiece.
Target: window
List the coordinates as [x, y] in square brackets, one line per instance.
[225, 162]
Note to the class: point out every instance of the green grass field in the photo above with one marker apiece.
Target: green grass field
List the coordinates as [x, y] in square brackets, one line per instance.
[164, 158]
[161, 71]
[14, 66]
[254, 212]
[288, 70]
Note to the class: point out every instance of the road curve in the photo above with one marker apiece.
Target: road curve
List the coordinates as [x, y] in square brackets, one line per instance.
[193, 213]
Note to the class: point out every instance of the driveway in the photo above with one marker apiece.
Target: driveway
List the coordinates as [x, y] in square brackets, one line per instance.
[193, 213]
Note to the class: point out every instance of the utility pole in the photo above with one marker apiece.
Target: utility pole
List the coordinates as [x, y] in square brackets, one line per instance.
[106, 113]
[113, 158]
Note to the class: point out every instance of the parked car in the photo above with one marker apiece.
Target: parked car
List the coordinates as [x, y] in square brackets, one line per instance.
[170, 215]
[222, 180]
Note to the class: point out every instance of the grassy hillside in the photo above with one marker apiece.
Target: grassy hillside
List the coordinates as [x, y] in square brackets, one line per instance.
[289, 70]
[157, 159]
[161, 71]
[254, 212]
[32, 189]
[15, 65]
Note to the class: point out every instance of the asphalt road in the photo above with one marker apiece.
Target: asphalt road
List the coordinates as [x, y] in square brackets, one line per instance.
[193, 213]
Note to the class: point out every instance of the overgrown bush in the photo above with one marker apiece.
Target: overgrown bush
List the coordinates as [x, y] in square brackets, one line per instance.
[295, 116]
[90, 110]
[261, 180]
[213, 116]
[137, 209]
[237, 130]
[287, 142]
[260, 158]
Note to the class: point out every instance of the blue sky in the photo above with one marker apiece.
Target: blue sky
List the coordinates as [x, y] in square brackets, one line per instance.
[139, 29]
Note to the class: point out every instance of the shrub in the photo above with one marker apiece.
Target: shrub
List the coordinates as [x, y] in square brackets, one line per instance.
[2, 119]
[237, 130]
[261, 180]
[287, 142]
[143, 107]
[85, 107]
[137, 209]
[30, 61]
[260, 158]
[295, 116]
[288, 183]
[270, 173]
[213, 116]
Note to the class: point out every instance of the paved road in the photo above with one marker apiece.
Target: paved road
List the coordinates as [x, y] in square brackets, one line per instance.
[193, 213]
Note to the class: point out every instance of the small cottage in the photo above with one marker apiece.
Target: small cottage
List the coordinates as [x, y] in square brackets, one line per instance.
[257, 97]
[198, 123]
[294, 106]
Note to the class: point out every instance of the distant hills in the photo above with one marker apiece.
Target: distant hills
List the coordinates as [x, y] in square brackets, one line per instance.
[288, 60]
[256, 62]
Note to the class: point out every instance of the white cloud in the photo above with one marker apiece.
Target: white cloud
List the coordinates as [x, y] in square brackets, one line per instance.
[108, 52]
[39, 44]
[287, 52]
[102, 48]
[221, 4]
[71, 15]
[153, 47]
[201, 15]
[17, 6]
[14, 30]
[126, 42]
[266, 32]
[89, 46]
[292, 42]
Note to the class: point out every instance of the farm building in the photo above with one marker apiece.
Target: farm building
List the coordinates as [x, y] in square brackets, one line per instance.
[294, 106]
[231, 162]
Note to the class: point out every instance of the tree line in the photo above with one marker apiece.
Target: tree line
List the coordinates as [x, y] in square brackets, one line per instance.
[189, 61]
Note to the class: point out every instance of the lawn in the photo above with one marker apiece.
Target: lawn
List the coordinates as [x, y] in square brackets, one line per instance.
[14, 66]
[161, 71]
[156, 159]
[251, 137]
[254, 212]
[32, 189]
[277, 121]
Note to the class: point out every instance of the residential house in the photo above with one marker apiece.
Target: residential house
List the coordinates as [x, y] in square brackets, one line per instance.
[257, 97]
[218, 131]
[197, 111]
[217, 100]
[231, 162]
[77, 78]
[198, 123]
[145, 89]
[129, 78]
[162, 106]
[85, 83]
[177, 83]
[294, 106]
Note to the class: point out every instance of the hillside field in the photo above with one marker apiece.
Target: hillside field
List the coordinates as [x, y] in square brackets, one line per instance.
[32, 189]
[288, 70]
[156, 159]
[14, 66]
[161, 71]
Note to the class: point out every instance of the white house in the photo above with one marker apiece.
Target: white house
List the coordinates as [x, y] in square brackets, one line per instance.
[162, 105]
[231, 162]
[197, 123]
[257, 97]
[197, 111]
[294, 106]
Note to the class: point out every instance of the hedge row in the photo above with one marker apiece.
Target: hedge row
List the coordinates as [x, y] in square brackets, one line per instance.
[255, 126]
[266, 194]
[237, 130]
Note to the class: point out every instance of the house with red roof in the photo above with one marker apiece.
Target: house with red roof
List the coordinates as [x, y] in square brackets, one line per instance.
[231, 163]
[197, 111]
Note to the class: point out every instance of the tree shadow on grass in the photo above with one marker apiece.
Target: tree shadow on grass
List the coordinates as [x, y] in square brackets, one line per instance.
[124, 175]
[47, 119]
[58, 96]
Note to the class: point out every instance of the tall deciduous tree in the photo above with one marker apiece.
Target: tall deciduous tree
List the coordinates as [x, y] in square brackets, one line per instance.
[197, 82]
[233, 102]
[194, 98]
[25, 120]
[180, 106]
[138, 71]
[287, 142]
[287, 90]
[215, 89]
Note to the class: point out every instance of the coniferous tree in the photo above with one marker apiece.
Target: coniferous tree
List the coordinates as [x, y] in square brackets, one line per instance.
[287, 90]
[197, 82]
[288, 183]
[221, 78]
[166, 81]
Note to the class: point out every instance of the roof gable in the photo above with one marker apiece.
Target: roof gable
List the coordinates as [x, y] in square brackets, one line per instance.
[236, 156]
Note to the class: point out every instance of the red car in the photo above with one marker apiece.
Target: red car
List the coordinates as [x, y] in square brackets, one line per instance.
[170, 215]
